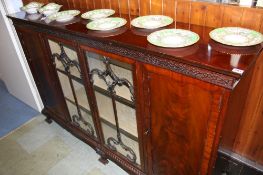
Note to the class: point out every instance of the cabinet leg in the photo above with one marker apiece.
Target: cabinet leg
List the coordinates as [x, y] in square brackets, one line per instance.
[48, 120]
[103, 160]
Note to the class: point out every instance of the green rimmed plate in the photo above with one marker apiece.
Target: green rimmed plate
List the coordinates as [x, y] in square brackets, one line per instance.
[173, 38]
[50, 6]
[151, 21]
[64, 16]
[236, 36]
[106, 24]
[32, 5]
[98, 14]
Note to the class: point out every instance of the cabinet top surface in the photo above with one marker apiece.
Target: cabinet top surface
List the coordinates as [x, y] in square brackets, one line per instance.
[205, 53]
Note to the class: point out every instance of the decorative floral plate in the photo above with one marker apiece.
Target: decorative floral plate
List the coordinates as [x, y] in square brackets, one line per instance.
[64, 16]
[173, 38]
[151, 21]
[98, 14]
[32, 5]
[50, 7]
[106, 23]
[236, 36]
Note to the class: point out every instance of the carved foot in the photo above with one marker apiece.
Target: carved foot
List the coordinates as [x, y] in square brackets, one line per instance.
[48, 120]
[103, 160]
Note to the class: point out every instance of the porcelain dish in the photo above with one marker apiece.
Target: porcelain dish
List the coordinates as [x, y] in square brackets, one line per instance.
[106, 24]
[50, 9]
[152, 21]
[64, 16]
[32, 7]
[98, 14]
[173, 38]
[236, 36]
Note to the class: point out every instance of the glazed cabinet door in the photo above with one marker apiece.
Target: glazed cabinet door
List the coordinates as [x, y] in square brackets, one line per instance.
[113, 81]
[41, 68]
[66, 64]
[181, 119]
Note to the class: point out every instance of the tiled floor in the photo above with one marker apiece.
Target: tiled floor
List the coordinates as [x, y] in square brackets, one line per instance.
[38, 148]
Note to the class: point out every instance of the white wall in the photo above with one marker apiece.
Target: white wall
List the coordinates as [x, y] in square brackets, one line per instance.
[14, 70]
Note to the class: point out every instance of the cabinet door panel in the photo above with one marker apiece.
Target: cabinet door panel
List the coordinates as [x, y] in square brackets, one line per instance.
[182, 124]
[114, 93]
[70, 76]
[41, 68]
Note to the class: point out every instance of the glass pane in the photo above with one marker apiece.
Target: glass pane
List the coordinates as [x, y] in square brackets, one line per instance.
[110, 132]
[126, 114]
[86, 124]
[65, 84]
[104, 104]
[81, 95]
[72, 109]
[113, 87]
[127, 118]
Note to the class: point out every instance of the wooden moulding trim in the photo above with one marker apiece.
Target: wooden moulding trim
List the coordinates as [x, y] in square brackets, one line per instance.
[142, 55]
[122, 162]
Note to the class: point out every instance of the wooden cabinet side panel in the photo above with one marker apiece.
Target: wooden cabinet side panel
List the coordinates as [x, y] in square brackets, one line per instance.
[34, 48]
[183, 124]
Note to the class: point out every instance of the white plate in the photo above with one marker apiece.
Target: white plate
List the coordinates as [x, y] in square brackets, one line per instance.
[173, 38]
[98, 14]
[64, 16]
[151, 21]
[106, 23]
[236, 36]
[50, 9]
[50, 6]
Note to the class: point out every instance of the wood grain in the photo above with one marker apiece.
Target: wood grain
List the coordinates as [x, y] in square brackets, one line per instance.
[156, 7]
[144, 7]
[249, 141]
[250, 16]
[169, 8]
[178, 138]
[232, 16]
[183, 11]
